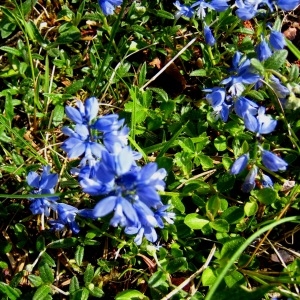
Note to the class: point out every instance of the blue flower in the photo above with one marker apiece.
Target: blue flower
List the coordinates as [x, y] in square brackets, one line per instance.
[130, 213]
[244, 75]
[183, 10]
[220, 103]
[161, 213]
[288, 5]
[85, 113]
[115, 133]
[277, 40]
[248, 9]
[109, 123]
[263, 50]
[209, 38]
[273, 162]
[262, 124]
[66, 215]
[249, 183]
[243, 105]
[148, 182]
[279, 89]
[266, 181]
[91, 136]
[42, 184]
[124, 212]
[80, 143]
[147, 224]
[218, 5]
[240, 164]
[108, 6]
[132, 193]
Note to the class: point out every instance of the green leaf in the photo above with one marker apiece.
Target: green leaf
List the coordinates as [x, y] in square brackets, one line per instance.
[234, 279]
[16, 279]
[168, 144]
[46, 273]
[79, 255]
[42, 293]
[243, 293]
[142, 74]
[200, 73]
[177, 203]
[233, 214]
[131, 295]
[187, 145]
[11, 50]
[3, 265]
[277, 60]
[294, 73]
[209, 276]
[194, 221]
[97, 292]
[3, 136]
[58, 114]
[220, 225]
[294, 49]
[220, 143]
[11, 293]
[48, 259]
[69, 36]
[255, 95]
[9, 107]
[88, 274]
[225, 182]
[230, 247]
[200, 186]
[157, 279]
[250, 208]
[168, 108]
[35, 34]
[206, 161]
[255, 63]
[213, 205]
[63, 243]
[164, 14]
[74, 285]
[40, 243]
[6, 27]
[82, 294]
[35, 280]
[177, 264]
[74, 87]
[162, 95]
[122, 71]
[265, 196]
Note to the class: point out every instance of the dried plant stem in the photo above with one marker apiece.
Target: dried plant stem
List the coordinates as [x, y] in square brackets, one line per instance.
[168, 64]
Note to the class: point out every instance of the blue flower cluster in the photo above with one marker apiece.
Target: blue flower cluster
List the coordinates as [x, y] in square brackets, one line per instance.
[231, 95]
[246, 10]
[271, 161]
[44, 184]
[249, 9]
[230, 98]
[108, 168]
[199, 9]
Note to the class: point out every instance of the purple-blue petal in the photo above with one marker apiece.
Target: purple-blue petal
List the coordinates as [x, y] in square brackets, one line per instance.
[105, 206]
[240, 164]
